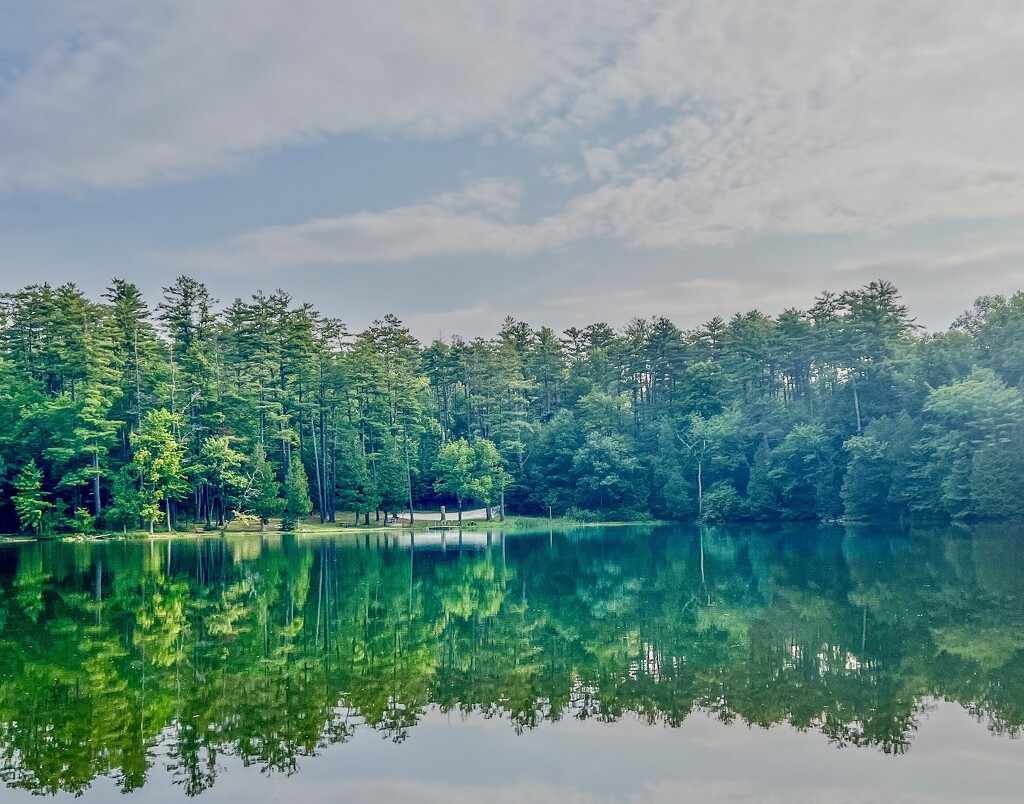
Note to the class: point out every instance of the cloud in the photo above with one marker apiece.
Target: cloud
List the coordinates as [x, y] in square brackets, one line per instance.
[828, 118]
[809, 118]
[655, 128]
[527, 791]
[125, 94]
[975, 250]
[476, 220]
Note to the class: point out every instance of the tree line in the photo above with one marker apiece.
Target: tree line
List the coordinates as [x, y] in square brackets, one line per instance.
[119, 415]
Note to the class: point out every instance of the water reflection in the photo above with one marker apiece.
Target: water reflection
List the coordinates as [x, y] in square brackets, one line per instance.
[270, 650]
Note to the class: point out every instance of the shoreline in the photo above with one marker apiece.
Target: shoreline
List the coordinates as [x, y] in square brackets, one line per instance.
[513, 524]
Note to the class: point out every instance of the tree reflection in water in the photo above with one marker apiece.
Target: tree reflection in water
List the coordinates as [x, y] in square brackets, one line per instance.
[113, 654]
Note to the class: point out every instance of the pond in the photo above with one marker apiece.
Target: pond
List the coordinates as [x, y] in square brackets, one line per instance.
[601, 664]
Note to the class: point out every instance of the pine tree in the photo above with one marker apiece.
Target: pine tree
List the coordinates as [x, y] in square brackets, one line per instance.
[263, 497]
[30, 502]
[138, 357]
[297, 504]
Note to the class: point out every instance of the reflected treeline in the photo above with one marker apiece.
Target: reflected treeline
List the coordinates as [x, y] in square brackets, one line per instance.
[121, 655]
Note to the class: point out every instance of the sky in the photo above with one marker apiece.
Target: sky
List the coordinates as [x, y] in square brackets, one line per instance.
[562, 162]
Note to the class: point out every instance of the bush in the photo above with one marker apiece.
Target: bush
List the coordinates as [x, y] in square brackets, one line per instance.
[582, 515]
[628, 515]
[722, 503]
[83, 522]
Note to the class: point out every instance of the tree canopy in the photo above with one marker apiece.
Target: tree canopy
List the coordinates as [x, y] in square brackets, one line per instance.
[186, 410]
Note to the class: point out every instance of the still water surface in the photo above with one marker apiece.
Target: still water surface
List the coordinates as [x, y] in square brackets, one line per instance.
[604, 664]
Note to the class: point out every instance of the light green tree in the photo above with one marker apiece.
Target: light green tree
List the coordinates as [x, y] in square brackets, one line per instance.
[711, 441]
[979, 416]
[491, 477]
[455, 472]
[158, 466]
[218, 470]
[471, 471]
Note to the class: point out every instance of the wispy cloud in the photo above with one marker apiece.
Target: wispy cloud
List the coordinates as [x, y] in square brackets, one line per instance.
[656, 131]
[813, 118]
[130, 93]
[818, 119]
[477, 220]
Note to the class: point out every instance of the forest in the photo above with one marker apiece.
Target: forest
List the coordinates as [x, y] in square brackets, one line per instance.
[122, 415]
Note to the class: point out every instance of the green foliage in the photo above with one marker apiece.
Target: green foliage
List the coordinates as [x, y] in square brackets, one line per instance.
[158, 466]
[297, 505]
[607, 473]
[722, 503]
[979, 416]
[882, 465]
[218, 473]
[471, 472]
[997, 479]
[194, 649]
[798, 479]
[125, 509]
[392, 479]
[263, 496]
[843, 409]
[29, 501]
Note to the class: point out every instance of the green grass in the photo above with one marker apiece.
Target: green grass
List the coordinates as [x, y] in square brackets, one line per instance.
[344, 524]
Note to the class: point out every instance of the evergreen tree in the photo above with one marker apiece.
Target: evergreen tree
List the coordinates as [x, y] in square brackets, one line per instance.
[839, 409]
[297, 505]
[263, 497]
[29, 501]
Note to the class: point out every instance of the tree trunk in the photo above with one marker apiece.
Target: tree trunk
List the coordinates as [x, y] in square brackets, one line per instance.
[334, 462]
[408, 475]
[96, 482]
[316, 463]
[856, 402]
[700, 488]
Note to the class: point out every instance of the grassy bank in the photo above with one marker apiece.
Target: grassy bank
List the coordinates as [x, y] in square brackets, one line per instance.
[312, 526]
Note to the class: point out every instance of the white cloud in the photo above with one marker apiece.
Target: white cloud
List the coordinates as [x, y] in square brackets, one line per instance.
[690, 124]
[476, 220]
[809, 118]
[601, 163]
[128, 93]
